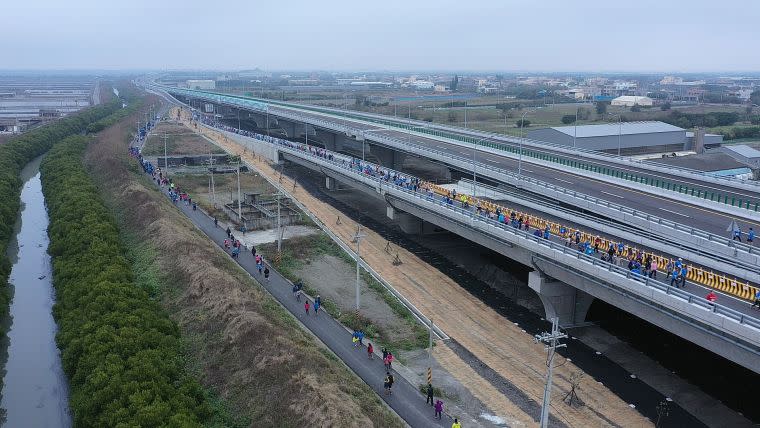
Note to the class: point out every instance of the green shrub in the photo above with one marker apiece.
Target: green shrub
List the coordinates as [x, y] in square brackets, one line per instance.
[14, 155]
[120, 351]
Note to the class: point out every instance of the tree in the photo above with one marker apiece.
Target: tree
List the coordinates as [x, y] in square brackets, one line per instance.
[754, 97]
[665, 106]
[568, 119]
[584, 113]
[454, 83]
[601, 107]
[525, 123]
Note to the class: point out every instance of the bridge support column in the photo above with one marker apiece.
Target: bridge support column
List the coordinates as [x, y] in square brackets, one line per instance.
[411, 224]
[560, 300]
[330, 183]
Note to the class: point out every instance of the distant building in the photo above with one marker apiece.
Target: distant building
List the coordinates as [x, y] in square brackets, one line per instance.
[713, 162]
[744, 154]
[9, 125]
[422, 85]
[633, 137]
[371, 85]
[632, 100]
[201, 84]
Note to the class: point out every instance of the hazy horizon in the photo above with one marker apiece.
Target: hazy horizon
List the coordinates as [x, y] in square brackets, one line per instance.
[644, 37]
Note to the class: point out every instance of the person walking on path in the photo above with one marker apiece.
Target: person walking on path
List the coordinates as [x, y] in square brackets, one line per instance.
[456, 424]
[355, 339]
[387, 383]
[306, 307]
[316, 307]
[229, 232]
[750, 236]
[266, 278]
[653, 269]
[360, 335]
[684, 274]
[390, 379]
[429, 394]
[385, 354]
[438, 409]
[737, 234]
[370, 350]
[216, 222]
[253, 250]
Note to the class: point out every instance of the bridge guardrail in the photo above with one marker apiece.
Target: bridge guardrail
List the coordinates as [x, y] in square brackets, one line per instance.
[623, 209]
[490, 226]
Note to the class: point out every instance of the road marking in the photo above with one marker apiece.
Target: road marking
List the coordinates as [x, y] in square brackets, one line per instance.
[564, 181]
[612, 194]
[675, 212]
[527, 170]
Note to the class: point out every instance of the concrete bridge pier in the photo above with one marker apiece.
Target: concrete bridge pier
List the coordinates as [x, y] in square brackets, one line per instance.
[560, 300]
[410, 223]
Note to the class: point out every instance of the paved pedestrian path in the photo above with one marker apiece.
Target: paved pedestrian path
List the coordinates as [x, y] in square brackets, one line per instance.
[406, 399]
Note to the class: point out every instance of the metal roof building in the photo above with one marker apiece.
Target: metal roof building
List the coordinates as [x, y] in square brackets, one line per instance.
[632, 137]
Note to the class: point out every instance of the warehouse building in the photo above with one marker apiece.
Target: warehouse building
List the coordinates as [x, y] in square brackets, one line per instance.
[713, 162]
[201, 84]
[631, 100]
[633, 138]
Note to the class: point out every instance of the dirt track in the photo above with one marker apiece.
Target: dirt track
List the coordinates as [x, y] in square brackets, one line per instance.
[500, 344]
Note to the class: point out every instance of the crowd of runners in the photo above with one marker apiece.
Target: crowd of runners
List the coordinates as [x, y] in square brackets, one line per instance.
[639, 263]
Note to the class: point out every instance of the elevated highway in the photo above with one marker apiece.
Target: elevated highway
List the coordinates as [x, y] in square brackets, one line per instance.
[654, 194]
[565, 279]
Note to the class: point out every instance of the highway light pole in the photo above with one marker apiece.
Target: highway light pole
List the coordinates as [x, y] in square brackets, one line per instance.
[522, 124]
[620, 129]
[575, 131]
[358, 237]
[474, 150]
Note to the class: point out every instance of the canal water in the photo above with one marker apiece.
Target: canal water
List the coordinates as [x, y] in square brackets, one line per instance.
[35, 390]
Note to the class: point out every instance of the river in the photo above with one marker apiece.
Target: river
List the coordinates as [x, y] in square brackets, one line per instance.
[35, 390]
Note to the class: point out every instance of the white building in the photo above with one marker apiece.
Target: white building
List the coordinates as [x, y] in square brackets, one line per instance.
[630, 101]
[422, 84]
[201, 84]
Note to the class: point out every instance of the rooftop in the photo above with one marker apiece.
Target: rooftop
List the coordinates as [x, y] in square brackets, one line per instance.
[706, 162]
[744, 150]
[626, 128]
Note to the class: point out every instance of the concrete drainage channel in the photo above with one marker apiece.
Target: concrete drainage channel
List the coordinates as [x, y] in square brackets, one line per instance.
[619, 381]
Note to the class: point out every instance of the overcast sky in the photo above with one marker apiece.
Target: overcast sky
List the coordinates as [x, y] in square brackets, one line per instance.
[396, 35]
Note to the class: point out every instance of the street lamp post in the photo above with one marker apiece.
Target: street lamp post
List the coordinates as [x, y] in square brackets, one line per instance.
[620, 129]
[474, 177]
[575, 131]
[522, 124]
[358, 237]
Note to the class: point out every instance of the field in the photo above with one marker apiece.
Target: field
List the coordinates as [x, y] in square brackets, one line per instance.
[179, 141]
[240, 342]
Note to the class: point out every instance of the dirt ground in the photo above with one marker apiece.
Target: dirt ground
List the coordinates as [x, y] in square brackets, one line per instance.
[336, 281]
[244, 346]
[179, 141]
[225, 189]
[503, 346]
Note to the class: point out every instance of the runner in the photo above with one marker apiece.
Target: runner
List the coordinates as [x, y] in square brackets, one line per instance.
[387, 383]
[438, 409]
[456, 424]
[757, 299]
[370, 350]
[390, 383]
[266, 278]
[316, 307]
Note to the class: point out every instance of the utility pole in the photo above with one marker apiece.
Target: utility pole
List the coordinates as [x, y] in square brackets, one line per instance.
[358, 237]
[551, 343]
[279, 228]
[240, 210]
[211, 171]
[430, 354]
[166, 158]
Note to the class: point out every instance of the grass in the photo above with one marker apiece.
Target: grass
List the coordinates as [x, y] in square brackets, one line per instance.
[303, 250]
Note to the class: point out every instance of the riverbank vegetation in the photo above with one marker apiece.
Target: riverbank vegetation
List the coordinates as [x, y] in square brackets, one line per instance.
[120, 351]
[14, 155]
